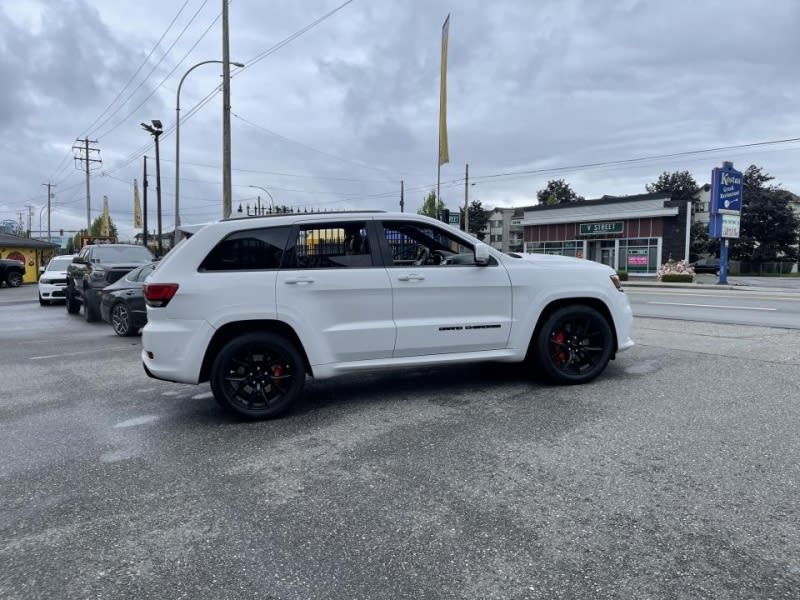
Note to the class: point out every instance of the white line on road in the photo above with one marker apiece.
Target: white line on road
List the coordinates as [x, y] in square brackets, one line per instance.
[713, 306]
[65, 354]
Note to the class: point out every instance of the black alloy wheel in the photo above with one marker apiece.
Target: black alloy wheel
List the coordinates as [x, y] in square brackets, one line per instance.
[121, 320]
[14, 279]
[258, 375]
[574, 345]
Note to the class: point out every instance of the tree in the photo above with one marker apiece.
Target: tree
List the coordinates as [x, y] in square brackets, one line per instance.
[680, 184]
[769, 227]
[477, 219]
[97, 227]
[557, 191]
[430, 207]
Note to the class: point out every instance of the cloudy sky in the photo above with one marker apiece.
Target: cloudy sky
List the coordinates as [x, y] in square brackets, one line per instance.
[336, 118]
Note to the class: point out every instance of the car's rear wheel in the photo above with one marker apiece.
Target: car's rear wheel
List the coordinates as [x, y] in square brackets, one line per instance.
[121, 320]
[73, 304]
[14, 279]
[574, 345]
[258, 375]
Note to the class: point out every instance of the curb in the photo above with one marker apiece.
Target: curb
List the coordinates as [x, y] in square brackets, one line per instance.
[741, 287]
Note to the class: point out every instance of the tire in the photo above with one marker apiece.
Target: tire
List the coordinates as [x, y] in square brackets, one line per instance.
[258, 375]
[90, 312]
[14, 279]
[42, 301]
[121, 320]
[73, 304]
[574, 345]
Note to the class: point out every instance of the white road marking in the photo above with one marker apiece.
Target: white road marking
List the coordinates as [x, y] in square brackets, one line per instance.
[66, 354]
[714, 306]
[137, 421]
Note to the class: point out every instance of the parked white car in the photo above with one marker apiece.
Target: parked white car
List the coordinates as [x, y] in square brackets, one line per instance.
[256, 305]
[53, 280]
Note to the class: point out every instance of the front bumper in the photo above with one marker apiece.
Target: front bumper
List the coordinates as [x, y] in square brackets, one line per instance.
[52, 291]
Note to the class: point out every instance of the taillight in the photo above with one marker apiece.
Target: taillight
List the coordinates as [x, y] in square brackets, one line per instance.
[158, 295]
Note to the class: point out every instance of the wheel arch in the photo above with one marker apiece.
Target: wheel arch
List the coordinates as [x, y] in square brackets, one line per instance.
[236, 328]
[560, 303]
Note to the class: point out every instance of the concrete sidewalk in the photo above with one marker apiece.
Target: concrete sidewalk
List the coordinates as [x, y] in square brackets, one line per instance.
[735, 282]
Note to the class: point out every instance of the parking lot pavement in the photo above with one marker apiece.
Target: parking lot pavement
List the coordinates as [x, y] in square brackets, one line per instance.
[675, 475]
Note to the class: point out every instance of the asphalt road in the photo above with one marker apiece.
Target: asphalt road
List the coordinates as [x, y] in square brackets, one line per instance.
[674, 475]
[770, 308]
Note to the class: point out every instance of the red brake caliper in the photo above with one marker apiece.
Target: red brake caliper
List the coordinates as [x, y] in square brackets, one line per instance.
[559, 338]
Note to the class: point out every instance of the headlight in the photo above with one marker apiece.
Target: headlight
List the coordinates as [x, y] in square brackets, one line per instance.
[99, 273]
[44, 280]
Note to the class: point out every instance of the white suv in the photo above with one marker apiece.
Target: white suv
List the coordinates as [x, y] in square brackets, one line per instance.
[256, 305]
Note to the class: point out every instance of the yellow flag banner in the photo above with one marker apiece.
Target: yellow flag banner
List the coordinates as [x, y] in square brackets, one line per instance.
[104, 231]
[444, 153]
[137, 207]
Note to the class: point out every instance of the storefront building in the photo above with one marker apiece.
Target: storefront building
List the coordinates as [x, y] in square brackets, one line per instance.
[632, 233]
[34, 253]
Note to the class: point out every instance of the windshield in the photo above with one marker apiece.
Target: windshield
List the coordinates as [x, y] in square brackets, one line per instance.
[121, 254]
[59, 264]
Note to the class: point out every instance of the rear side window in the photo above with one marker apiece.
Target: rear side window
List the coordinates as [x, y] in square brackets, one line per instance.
[254, 249]
[330, 246]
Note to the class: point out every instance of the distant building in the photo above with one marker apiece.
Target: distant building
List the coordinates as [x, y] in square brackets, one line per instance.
[631, 233]
[504, 229]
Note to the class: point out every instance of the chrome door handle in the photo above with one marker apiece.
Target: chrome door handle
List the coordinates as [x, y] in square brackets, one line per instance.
[411, 277]
[298, 280]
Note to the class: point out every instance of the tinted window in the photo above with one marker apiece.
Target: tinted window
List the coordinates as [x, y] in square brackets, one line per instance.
[121, 254]
[248, 250]
[330, 246]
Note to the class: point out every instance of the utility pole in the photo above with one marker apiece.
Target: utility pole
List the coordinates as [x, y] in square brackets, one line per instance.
[30, 213]
[49, 196]
[85, 156]
[402, 200]
[227, 191]
[466, 200]
[144, 202]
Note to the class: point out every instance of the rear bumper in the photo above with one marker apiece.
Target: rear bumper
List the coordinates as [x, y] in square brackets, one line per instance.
[173, 350]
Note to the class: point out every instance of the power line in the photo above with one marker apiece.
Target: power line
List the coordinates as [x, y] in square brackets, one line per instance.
[216, 90]
[180, 62]
[65, 161]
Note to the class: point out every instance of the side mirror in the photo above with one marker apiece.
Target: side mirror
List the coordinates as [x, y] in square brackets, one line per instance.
[482, 255]
[41, 270]
[79, 260]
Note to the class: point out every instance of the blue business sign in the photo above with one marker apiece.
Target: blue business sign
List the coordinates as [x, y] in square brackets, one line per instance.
[726, 190]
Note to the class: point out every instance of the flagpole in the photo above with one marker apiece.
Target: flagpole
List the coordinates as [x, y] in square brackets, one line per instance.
[443, 154]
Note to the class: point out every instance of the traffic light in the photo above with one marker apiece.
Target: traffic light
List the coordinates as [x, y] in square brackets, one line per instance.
[61, 232]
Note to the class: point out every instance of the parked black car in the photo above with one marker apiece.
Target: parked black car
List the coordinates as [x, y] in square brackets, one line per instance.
[122, 303]
[11, 272]
[706, 265]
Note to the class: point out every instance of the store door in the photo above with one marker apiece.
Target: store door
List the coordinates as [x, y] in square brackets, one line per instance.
[607, 257]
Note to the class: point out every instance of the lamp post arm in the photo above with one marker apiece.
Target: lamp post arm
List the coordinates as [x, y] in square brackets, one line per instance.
[178, 141]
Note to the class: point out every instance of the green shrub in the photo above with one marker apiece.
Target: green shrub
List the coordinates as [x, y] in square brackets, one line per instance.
[623, 275]
[677, 278]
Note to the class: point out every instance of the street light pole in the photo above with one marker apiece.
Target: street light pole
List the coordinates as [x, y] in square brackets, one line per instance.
[266, 191]
[178, 141]
[156, 129]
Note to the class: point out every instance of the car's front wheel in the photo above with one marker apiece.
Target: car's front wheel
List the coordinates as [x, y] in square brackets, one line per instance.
[42, 301]
[258, 375]
[73, 304]
[574, 345]
[90, 312]
[121, 320]
[14, 279]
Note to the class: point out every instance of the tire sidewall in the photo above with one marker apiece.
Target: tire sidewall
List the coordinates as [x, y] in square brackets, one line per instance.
[543, 340]
[13, 280]
[266, 340]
